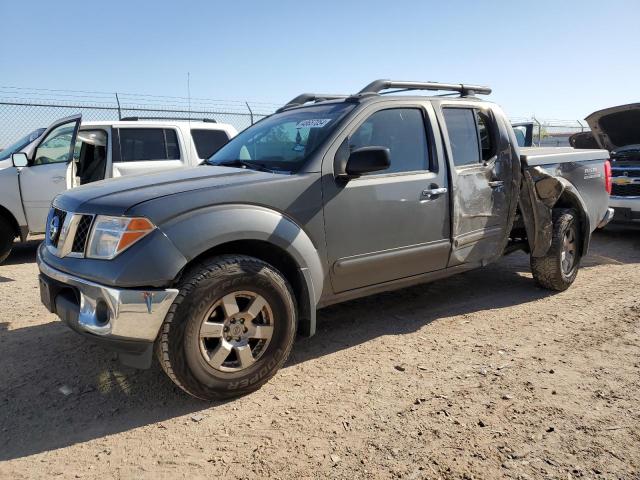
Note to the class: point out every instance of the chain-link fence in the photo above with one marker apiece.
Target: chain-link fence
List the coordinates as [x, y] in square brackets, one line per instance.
[24, 110]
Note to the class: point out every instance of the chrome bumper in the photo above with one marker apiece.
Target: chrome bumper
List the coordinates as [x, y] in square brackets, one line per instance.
[625, 202]
[607, 217]
[114, 313]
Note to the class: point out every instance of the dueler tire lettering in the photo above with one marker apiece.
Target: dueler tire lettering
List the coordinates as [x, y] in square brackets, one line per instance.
[178, 345]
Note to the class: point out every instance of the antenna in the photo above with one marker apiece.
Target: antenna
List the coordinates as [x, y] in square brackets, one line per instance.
[190, 136]
[189, 93]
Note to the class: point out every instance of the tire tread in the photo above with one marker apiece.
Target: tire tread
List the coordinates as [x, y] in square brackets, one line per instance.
[547, 270]
[208, 268]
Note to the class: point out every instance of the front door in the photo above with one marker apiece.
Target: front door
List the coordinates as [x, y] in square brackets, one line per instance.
[386, 225]
[481, 173]
[46, 175]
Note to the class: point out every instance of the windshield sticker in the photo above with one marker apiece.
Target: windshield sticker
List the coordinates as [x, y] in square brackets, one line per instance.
[313, 123]
[298, 148]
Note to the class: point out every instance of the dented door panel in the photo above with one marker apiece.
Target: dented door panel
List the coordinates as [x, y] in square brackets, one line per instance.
[482, 198]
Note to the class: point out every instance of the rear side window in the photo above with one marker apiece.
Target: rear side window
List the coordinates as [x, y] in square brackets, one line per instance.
[485, 133]
[470, 135]
[402, 130]
[463, 136]
[208, 142]
[140, 144]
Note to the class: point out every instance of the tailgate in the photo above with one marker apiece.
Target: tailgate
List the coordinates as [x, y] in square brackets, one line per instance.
[537, 156]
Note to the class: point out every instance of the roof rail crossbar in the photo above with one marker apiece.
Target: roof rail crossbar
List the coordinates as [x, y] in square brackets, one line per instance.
[465, 90]
[309, 97]
[135, 119]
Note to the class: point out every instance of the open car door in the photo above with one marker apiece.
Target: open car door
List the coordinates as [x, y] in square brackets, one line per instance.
[46, 174]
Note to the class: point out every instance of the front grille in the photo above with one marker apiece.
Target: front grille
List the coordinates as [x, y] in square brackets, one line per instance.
[62, 215]
[82, 234]
[632, 190]
[621, 172]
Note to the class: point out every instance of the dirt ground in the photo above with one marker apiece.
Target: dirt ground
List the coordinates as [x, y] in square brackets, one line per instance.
[482, 375]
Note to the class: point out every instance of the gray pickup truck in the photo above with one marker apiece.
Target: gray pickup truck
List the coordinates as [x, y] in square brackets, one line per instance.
[333, 197]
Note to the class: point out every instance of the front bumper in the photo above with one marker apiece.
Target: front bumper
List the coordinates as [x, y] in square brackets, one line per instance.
[627, 208]
[126, 320]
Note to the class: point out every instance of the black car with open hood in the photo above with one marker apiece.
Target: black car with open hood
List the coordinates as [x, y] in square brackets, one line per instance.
[618, 130]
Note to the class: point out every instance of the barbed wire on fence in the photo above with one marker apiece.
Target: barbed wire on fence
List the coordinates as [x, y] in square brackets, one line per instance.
[23, 110]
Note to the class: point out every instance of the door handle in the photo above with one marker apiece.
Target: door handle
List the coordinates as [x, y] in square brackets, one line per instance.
[496, 183]
[58, 179]
[434, 192]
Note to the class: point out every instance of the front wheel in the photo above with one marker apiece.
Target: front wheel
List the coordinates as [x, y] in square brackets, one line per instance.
[559, 267]
[6, 238]
[230, 329]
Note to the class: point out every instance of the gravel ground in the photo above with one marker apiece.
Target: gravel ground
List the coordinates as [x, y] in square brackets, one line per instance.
[482, 375]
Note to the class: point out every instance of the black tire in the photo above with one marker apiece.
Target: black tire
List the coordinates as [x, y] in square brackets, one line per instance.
[7, 234]
[554, 271]
[182, 352]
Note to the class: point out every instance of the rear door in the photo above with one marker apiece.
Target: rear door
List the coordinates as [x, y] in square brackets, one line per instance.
[141, 149]
[481, 174]
[387, 225]
[46, 175]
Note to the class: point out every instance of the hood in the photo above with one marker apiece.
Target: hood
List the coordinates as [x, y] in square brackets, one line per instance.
[616, 127]
[6, 163]
[116, 196]
[583, 140]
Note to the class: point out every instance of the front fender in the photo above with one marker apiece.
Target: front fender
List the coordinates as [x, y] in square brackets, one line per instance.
[196, 232]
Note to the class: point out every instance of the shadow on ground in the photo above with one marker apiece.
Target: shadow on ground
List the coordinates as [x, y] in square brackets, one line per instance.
[41, 363]
[24, 252]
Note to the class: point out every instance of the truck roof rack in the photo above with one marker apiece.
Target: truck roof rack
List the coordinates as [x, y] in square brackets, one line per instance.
[464, 90]
[135, 119]
[377, 86]
[309, 97]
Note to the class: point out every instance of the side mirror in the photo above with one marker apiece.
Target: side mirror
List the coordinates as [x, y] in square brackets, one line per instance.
[367, 160]
[19, 159]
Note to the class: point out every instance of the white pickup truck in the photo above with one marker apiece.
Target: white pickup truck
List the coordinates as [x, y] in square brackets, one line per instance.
[70, 153]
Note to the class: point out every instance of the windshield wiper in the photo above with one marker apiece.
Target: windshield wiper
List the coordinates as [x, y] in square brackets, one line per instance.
[245, 164]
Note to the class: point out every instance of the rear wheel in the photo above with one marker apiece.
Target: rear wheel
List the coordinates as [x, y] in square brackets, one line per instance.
[230, 329]
[558, 269]
[7, 234]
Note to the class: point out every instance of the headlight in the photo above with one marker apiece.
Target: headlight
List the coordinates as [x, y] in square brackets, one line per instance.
[112, 235]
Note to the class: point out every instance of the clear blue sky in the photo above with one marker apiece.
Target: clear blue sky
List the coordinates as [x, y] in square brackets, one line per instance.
[557, 59]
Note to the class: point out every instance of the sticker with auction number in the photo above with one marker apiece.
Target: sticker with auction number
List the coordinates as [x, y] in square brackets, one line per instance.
[313, 123]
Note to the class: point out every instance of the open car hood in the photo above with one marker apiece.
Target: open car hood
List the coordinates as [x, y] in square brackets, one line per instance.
[616, 127]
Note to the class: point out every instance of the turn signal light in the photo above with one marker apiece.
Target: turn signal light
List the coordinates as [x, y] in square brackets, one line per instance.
[137, 228]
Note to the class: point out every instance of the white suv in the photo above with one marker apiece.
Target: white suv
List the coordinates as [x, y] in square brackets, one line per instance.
[70, 153]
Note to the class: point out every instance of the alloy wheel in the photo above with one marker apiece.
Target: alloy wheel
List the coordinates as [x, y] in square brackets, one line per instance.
[236, 331]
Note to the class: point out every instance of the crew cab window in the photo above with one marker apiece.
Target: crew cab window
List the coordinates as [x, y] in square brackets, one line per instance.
[470, 135]
[463, 137]
[402, 131]
[139, 144]
[486, 135]
[208, 142]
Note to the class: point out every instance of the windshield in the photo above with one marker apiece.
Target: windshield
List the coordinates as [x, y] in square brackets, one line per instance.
[284, 141]
[20, 144]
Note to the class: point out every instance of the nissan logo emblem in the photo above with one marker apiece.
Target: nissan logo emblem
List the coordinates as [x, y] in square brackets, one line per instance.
[54, 228]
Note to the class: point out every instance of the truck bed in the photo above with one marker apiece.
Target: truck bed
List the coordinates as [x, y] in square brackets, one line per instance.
[533, 156]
